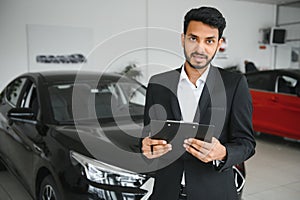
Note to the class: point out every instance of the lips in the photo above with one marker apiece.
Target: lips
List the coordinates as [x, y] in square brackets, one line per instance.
[199, 57]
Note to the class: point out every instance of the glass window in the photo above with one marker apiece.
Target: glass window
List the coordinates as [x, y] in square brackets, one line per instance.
[286, 85]
[30, 99]
[13, 91]
[106, 100]
[261, 81]
[135, 93]
[289, 13]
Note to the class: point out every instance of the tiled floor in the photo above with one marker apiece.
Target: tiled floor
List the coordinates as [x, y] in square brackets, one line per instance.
[272, 174]
[274, 171]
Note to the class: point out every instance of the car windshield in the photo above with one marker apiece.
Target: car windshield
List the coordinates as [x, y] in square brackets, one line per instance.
[105, 100]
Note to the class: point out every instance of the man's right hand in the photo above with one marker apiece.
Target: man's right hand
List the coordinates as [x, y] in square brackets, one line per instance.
[152, 148]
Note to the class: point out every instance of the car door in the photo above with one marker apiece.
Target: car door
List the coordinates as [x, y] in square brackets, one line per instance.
[286, 106]
[24, 137]
[276, 107]
[9, 100]
[261, 86]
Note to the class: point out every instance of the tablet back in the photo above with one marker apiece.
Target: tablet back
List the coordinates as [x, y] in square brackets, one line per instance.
[168, 130]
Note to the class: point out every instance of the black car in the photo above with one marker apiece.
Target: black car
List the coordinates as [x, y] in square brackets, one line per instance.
[45, 119]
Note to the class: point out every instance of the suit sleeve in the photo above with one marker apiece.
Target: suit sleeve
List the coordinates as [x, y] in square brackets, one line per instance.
[241, 143]
[148, 104]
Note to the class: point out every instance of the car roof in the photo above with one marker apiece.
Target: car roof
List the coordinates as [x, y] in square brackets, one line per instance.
[295, 72]
[69, 76]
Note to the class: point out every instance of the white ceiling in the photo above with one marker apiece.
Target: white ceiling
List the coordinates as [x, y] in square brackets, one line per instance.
[271, 1]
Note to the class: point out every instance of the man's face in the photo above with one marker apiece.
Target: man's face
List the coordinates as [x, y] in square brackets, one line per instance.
[200, 44]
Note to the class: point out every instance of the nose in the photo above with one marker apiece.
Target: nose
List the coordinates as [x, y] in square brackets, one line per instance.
[200, 47]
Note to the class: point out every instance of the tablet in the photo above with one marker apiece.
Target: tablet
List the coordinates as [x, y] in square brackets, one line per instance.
[167, 130]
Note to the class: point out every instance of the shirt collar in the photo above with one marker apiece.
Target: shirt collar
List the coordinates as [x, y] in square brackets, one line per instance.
[202, 78]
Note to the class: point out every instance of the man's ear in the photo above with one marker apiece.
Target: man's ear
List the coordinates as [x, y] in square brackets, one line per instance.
[182, 39]
[220, 42]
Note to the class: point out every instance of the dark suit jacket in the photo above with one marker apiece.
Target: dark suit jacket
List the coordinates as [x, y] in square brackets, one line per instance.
[226, 103]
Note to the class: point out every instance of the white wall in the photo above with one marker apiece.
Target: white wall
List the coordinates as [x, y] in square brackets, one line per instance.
[112, 18]
[106, 18]
[288, 18]
[244, 19]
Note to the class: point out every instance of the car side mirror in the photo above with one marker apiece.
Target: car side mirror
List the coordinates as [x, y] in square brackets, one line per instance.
[26, 115]
[22, 115]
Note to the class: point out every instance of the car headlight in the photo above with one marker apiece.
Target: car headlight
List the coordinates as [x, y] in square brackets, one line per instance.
[104, 173]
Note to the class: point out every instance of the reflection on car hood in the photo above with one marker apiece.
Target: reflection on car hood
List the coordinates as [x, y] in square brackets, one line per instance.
[123, 135]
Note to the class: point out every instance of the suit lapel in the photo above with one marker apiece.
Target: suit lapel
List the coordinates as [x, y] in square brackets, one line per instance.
[205, 98]
[174, 100]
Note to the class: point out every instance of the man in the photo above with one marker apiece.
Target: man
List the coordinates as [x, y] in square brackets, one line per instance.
[199, 92]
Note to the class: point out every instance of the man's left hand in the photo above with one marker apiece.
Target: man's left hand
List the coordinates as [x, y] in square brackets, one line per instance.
[205, 151]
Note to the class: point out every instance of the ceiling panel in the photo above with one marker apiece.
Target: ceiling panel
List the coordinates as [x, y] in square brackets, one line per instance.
[271, 1]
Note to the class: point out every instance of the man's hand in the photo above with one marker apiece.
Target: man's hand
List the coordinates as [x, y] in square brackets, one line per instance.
[155, 148]
[204, 151]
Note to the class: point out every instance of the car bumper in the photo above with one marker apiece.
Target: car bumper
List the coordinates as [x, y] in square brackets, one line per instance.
[96, 191]
[101, 191]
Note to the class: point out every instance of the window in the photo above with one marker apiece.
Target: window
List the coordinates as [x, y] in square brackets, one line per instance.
[105, 100]
[286, 84]
[13, 91]
[261, 81]
[29, 99]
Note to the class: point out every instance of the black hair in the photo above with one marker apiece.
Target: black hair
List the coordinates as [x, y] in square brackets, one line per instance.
[207, 15]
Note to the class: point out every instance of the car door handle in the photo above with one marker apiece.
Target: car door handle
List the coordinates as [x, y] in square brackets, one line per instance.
[37, 149]
[274, 98]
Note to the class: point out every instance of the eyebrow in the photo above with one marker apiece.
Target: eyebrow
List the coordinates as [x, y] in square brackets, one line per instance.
[193, 35]
[211, 37]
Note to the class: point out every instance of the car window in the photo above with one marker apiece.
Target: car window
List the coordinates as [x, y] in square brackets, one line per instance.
[134, 95]
[29, 98]
[106, 100]
[286, 84]
[13, 91]
[261, 81]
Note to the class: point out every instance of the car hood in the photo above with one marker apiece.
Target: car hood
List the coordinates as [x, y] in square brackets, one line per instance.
[88, 138]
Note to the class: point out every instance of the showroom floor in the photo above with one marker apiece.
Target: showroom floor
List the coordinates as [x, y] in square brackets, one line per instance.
[272, 174]
[274, 171]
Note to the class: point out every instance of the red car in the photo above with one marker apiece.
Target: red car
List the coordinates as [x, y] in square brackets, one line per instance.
[276, 101]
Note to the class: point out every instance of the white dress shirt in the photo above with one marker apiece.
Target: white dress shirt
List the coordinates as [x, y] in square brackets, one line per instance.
[188, 96]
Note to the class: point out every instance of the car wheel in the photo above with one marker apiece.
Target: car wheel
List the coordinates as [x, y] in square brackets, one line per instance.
[48, 189]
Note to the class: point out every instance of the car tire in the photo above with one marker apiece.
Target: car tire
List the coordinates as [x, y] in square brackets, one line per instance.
[48, 189]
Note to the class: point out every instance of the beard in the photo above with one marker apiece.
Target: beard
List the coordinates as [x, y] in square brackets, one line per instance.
[188, 59]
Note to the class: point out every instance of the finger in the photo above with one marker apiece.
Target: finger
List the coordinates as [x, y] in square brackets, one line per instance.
[193, 151]
[155, 148]
[149, 141]
[193, 141]
[198, 144]
[158, 151]
[157, 142]
[201, 155]
[214, 141]
[161, 148]
[161, 152]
